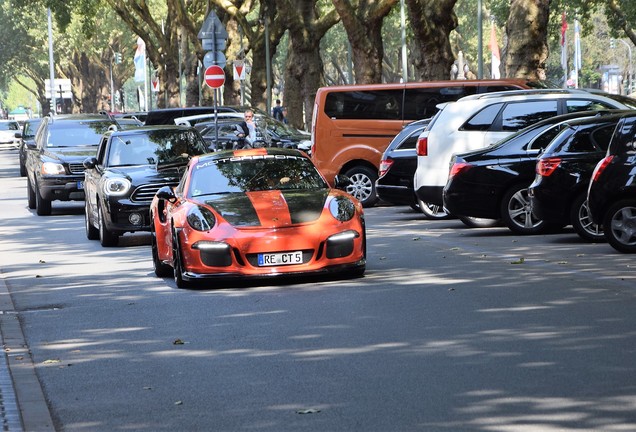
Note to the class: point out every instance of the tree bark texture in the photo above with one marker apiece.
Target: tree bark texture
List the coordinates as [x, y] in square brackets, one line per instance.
[432, 22]
[362, 20]
[526, 30]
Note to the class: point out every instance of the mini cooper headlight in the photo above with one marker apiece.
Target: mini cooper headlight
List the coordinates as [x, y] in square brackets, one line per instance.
[52, 168]
[342, 208]
[116, 187]
[201, 219]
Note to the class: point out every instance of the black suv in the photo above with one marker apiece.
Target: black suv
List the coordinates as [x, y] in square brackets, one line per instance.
[130, 167]
[612, 191]
[54, 160]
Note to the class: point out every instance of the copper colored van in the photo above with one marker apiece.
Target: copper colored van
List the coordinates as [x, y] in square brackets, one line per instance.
[352, 125]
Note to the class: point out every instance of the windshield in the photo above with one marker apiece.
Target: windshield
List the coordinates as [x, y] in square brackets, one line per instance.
[74, 133]
[254, 173]
[9, 126]
[154, 147]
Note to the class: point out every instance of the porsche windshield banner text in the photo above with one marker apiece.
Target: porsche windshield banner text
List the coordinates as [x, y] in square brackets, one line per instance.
[248, 157]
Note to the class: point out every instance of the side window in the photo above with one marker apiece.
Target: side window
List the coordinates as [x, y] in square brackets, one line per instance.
[601, 137]
[42, 135]
[365, 105]
[421, 103]
[585, 105]
[410, 142]
[496, 88]
[483, 119]
[581, 141]
[542, 141]
[517, 115]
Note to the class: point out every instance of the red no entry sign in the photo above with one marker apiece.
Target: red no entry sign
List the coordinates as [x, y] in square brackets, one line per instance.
[214, 76]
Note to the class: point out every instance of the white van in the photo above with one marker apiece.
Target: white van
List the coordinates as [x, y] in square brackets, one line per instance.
[477, 121]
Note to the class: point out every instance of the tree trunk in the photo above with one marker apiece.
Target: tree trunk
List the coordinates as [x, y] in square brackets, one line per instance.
[304, 67]
[431, 22]
[363, 24]
[526, 31]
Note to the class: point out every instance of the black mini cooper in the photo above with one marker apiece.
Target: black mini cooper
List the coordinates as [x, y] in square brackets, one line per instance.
[130, 167]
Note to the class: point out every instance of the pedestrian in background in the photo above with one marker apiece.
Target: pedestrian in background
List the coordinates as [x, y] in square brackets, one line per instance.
[277, 111]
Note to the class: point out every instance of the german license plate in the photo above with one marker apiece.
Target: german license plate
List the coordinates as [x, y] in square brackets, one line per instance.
[284, 258]
[80, 185]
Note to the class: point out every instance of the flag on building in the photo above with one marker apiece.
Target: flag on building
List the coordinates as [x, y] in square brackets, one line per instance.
[140, 61]
[564, 45]
[494, 49]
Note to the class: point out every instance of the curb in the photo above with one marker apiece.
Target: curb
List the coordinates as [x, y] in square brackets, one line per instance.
[23, 406]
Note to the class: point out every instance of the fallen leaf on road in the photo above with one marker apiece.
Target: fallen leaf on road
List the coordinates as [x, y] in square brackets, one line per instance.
[178, 403]
[178, 342]
[51, 361]
[519, 261]
[308, 411]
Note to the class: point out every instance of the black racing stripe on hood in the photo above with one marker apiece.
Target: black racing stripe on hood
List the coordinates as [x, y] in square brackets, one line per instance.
[236, 208]
[305, 205]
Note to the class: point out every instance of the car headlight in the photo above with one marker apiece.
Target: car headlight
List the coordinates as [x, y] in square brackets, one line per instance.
[342, 208]
[116, 187]
[52, 168]
[201, 219]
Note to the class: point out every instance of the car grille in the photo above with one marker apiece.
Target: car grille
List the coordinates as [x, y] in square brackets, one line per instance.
[147, 192]
[76, 168]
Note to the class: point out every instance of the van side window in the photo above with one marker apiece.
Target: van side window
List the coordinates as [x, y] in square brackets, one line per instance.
[421, 103]
[365, 105]
[483, 119]
[516, 116]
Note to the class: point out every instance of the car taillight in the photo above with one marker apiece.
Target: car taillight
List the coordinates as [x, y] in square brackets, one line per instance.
[545, 167]
[422, 146]
[600, 167]
[385, 165]
[458, 168]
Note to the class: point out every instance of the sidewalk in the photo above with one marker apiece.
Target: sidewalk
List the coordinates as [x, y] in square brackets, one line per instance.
[22, 403]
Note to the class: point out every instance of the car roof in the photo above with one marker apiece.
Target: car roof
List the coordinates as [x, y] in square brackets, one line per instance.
[143, 130]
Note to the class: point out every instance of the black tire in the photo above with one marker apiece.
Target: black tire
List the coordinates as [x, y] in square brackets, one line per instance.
[362, 185]
[432, 211]
[92, 233]
[107, 238]
[177, 262]
[30, 195]
[619, 225]
[161, 270]
[23, 172]
[516, 212]
[582, 221]
[42, 206]
[475, 222]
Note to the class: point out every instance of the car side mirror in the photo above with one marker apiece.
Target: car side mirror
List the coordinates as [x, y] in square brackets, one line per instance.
[18, 135]
[166, 193]
[341, 181]
[90, 163]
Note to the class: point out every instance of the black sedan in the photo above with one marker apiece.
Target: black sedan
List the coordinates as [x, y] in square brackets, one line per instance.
[558, 194]
[492, 183]
[130, 167]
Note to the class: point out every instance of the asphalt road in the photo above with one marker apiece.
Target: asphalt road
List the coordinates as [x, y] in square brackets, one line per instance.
[451, 329]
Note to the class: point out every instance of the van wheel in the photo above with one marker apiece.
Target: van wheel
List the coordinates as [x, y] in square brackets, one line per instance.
[582, 221]
[362, 185]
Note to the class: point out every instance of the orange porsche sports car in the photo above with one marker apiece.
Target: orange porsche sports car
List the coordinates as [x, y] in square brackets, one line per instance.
[257, 212]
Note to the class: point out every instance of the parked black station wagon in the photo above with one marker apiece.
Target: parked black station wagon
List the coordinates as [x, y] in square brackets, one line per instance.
[130, 167]
[612, 191]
